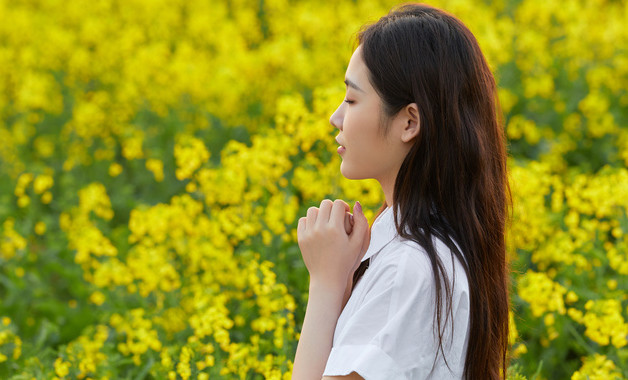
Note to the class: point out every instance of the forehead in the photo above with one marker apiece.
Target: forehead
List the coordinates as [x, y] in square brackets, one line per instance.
[356, 63]
[356, 70]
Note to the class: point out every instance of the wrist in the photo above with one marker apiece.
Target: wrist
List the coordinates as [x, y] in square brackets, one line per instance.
[329, 287]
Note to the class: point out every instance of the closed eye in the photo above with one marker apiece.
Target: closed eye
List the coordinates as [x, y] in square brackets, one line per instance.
[349, 101]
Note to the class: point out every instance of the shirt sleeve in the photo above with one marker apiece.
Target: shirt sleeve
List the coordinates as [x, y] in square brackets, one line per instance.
[389, 334]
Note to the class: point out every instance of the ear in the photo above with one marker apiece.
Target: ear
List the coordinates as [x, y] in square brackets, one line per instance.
[412, 122]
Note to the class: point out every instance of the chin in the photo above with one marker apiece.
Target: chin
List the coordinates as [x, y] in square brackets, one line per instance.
[348, 173]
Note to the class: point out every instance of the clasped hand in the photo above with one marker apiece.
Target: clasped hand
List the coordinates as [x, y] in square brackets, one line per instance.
[333, 241]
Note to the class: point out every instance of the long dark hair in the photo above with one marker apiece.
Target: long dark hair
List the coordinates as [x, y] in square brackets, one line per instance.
[453, 183]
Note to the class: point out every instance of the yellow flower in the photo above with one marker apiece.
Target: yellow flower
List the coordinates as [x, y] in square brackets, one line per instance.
[115, 169]
[61, 367]
[596, 367]
[44, 146]
[611, 284]
[97, 298]
[132, 145]
[40, 228]
[157, 168]
[541, 293]
[190, 153]
[549, 319]
[571, 297]
[46, 197]
[604, 323]
[42, 183]
[11, 242]
[23, 201]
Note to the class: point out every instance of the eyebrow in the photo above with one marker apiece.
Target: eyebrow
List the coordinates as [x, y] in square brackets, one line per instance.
[349, 83]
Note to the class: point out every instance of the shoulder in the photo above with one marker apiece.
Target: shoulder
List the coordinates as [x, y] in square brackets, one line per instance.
[400, 268]
[401, 255]
[408, 264]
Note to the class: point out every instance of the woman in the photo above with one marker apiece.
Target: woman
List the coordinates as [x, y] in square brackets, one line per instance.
[424, 292]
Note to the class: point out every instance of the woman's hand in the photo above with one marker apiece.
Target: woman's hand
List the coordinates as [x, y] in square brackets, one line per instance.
[332, 248]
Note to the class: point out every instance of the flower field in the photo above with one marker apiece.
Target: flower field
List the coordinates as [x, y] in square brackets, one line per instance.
[155, 157]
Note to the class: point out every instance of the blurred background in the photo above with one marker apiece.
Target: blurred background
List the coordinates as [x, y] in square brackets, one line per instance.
[155, 157]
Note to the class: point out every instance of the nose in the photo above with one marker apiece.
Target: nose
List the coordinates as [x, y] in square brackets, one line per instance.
[337, 117]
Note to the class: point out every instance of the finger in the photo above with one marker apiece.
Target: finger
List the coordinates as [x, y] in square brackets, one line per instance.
[324, 212]
[348, 222]
[312, 214]
[338, 213]
[360, 223]
[348, 216]
[301, 226]
[347, 207]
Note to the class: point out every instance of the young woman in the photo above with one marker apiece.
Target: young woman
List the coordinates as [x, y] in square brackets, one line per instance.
[423, 293]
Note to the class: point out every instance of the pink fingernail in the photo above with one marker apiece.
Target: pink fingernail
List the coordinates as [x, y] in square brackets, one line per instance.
[358, 206]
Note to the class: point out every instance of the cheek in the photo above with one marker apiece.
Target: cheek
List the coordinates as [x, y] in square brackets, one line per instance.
[361, 127]
[362, 146]
[357, 121]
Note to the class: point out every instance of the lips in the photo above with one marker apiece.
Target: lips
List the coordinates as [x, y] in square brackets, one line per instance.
[341, 148]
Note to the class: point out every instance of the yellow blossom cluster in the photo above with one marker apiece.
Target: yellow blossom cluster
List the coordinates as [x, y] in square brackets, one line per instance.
[518, 126]
[83, 355]
[156, 166]
[591, 207]
[10, 342]
[94, 198]
[532, 184]
[541, 293]
[62, 369]
[12, 241]
[190, 153]
[176, 247]
[604, 322]
[83, 235]
[513, 337]
[597, 367]
[137, 333]
[40, 184]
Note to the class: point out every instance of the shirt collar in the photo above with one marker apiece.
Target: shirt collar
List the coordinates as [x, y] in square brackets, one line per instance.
[383, 231]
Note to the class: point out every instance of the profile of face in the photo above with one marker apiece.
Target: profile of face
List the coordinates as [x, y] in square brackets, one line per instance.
[367, 154]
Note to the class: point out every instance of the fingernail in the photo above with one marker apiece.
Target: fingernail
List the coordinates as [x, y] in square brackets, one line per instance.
[351, 217]
[358, 206]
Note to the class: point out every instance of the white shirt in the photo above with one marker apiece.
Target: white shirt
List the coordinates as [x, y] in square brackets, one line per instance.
[385, 331]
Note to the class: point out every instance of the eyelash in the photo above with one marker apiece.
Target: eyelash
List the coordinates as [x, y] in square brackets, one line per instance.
[349, 101]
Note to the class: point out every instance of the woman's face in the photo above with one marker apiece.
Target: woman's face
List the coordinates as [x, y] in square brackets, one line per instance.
[366, 153]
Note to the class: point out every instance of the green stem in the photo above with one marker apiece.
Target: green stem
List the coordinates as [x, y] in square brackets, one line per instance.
[579, 338]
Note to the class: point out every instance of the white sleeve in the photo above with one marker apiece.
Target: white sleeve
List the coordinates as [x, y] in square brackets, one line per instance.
[389, 333]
